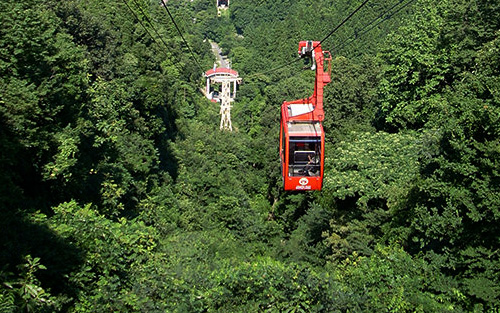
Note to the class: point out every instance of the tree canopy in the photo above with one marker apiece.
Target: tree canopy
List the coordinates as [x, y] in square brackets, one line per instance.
[118, 191]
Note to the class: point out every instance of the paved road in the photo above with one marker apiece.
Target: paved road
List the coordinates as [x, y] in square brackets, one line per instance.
[221, 60]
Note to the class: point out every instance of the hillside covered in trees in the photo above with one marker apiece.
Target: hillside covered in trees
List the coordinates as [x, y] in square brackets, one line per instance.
[119, 193]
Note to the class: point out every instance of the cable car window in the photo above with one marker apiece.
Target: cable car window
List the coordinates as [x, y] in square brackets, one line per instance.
[304, 156]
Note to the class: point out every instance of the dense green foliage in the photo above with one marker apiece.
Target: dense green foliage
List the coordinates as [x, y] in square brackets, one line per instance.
[119, 193]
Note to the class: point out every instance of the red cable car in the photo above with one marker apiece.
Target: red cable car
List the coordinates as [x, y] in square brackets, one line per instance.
[302, 139]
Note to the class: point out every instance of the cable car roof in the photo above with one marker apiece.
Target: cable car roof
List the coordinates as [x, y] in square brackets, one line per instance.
[299, 109]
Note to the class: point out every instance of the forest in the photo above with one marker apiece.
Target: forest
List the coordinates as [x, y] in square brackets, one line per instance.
[119, 193]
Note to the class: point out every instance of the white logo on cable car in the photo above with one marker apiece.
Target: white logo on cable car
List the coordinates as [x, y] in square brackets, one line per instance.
[303, 181]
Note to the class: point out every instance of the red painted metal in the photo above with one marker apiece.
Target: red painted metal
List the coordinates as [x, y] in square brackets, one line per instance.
[301, 124]
[221, 70]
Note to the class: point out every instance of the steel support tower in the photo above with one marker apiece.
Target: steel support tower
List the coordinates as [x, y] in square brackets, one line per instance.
[229, 79]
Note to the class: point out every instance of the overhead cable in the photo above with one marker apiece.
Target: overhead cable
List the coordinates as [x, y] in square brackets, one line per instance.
[182, 36]
[344, 21]
[147, 31]
[364, 30]
[149, 22]
[329, 34]
[139, 20]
